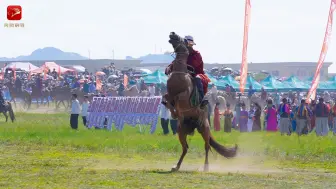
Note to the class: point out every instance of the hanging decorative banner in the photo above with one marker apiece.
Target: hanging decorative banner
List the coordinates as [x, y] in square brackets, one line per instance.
[14, 72]
[124, 110]
[29, 74]
[243, 68]
[125, 80]
[312, 91]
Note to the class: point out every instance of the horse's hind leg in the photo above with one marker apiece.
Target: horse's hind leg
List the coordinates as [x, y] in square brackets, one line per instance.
[5, 114]
[183, 140]
[205, 132]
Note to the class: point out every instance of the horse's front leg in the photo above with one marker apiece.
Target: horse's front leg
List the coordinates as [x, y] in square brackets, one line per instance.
[168, 104]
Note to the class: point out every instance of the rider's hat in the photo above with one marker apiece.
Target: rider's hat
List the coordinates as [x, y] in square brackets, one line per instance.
[190, 39]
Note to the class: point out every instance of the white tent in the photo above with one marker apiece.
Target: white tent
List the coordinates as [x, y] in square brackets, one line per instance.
[146, 71]
[26, 66]
[77, 68]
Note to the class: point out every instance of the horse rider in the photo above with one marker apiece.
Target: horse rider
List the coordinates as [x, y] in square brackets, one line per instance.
[196, 62]
[18, 85]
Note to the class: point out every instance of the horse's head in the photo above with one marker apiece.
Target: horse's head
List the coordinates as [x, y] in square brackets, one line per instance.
[179, 44]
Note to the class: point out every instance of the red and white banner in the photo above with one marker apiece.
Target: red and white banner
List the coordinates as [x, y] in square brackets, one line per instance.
[323, 54]
[243, 68]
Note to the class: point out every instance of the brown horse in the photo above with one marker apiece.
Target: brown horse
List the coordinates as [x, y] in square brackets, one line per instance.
[61, 95]
[180, 88]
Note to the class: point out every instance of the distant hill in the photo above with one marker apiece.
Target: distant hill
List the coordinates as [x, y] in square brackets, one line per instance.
[47, 53]
[154, 58]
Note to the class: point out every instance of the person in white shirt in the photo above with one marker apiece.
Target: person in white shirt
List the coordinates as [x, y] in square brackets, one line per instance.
[151, 90]
[75, 110]
[85, 107]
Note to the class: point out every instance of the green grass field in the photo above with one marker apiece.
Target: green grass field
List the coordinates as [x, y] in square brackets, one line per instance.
[41, 151]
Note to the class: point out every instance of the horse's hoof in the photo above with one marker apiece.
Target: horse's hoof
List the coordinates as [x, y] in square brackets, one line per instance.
[174, 169]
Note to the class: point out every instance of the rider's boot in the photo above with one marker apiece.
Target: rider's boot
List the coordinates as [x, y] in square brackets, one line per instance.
[203, 101]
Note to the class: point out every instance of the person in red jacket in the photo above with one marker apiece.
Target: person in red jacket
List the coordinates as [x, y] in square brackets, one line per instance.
[196, 62]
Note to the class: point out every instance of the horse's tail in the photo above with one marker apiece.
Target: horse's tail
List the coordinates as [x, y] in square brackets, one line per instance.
[11, 112]
[222, 150]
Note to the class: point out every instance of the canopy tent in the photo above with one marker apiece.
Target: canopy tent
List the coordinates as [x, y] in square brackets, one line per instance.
[250, 81]
[310, 79]
[25, 66]
[333, 79]
[155, 78]
[51, 66]
[324, 85]
[212, 79]
[226, 80]
[273, 84]
[296, 83]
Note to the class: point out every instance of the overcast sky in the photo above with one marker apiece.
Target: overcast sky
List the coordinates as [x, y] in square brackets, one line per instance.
[286, 30]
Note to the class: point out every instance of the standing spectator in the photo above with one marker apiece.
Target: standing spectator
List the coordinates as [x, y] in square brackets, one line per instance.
[212, 97]
[85, 107]
[173, 125]
[321, 123]
[163, 89]
[271, 117]
[250, 92]
[92, 87]
[54, 74]
[86, 87]
[165, 115]
[151, 90]
[284, 112]
[157, 90]
[18, 85]
[237, 110]
[216, 119]
[75, 110]
[250, 119]
[228, 115]
[121, 89]
[256, 118]
[302, 116]
[243, 119]
[333, 112]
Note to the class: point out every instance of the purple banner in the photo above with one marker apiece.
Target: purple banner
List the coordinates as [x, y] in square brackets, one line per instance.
[106, 111]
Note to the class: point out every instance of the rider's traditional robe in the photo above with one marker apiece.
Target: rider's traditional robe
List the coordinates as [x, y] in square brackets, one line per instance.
[195, 60]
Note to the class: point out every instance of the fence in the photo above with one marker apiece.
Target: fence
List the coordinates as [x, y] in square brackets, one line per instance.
[106, 111]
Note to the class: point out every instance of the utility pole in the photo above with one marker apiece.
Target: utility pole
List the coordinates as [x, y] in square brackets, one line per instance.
[113, 55]
[89, 54]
